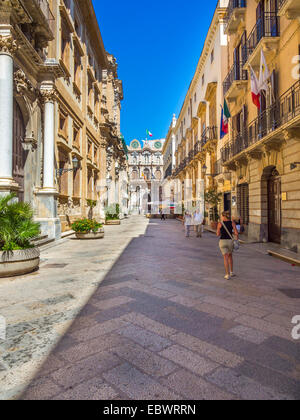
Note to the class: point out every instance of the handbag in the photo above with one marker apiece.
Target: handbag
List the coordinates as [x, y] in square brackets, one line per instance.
[236, 243]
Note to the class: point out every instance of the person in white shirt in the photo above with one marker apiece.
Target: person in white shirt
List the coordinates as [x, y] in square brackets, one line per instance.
[198, 221]
[187, 223]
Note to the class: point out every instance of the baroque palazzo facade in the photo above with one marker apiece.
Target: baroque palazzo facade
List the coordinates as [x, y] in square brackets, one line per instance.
[60, 101]
[146, 172]
[256, 166]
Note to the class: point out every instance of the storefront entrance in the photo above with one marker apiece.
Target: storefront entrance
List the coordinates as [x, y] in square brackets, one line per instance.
[274, 207]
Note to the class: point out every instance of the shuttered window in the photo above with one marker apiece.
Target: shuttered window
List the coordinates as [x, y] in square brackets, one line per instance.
[243, 202]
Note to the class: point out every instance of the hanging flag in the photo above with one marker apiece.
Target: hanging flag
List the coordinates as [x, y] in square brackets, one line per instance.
[225, 119]
[264, 73]
[149, 133]
[255, 91]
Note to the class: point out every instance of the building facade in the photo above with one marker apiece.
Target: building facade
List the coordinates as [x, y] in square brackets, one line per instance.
[146, 172]
[262, 148]
[197, 130]
[59, 110]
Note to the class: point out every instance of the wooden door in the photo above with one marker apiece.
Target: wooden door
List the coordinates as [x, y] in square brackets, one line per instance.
[18, 151]
[274, 207]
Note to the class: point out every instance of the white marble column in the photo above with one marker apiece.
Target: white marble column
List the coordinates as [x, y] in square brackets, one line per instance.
[7, 48]
[47, 195]
[49, 98]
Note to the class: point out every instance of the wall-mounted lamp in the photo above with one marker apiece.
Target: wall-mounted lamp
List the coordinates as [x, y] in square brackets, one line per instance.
[294, 165]
[76, 166]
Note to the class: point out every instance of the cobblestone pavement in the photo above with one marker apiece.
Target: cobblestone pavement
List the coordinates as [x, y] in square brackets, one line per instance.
[146, 314]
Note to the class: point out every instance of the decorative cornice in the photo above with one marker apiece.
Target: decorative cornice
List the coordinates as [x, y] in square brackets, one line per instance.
[8, 45]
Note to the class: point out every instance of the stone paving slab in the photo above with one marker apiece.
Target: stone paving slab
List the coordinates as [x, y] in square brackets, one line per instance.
[146, 314]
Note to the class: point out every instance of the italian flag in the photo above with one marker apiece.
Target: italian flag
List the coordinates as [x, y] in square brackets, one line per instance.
[149, 133]
[255, 91]
[224, 119]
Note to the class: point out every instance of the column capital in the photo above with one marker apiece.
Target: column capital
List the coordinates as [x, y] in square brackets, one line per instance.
[8, 45]
[49, 95]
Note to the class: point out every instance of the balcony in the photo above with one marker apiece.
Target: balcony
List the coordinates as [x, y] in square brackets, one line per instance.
[289, 8]
[235, 15]
[236, 82]
[209, 138]
[266, 35]
[271, 127]
[41, 13]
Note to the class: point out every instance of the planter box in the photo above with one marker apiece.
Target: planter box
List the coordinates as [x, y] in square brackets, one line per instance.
[16, 263]
[90, 235]
[112, 222]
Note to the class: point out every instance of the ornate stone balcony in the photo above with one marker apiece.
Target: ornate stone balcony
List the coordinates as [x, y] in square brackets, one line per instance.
[275, 125]
[235, 84]
[235, 14]
[209, 138]
[289, 8]
[266, 35]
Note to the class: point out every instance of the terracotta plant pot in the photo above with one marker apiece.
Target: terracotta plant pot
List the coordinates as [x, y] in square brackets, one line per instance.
[16, 263]
[90, 235]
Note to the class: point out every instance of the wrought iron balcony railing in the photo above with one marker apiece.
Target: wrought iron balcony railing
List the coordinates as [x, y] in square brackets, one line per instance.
[281, 3]
[210, 133]
[236, 73]
[266, 26]
[282, 111]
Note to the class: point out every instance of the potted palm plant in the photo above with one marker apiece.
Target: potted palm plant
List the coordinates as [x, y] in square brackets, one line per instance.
[213, 198]
[112, 215]
[88, 229]
[17, 229]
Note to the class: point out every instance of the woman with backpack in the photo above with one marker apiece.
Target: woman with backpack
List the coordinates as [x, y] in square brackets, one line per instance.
[225, 231]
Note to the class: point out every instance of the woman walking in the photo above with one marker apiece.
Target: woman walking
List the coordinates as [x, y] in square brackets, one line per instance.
[224, 231]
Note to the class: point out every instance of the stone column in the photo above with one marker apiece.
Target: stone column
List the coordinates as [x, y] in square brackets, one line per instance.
[8, 47]
[47, 195]
[49, 97]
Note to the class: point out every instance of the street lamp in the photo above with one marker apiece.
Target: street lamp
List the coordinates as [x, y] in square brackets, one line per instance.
[76, 166]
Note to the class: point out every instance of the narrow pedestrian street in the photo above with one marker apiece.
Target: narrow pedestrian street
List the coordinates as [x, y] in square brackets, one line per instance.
[146, 314]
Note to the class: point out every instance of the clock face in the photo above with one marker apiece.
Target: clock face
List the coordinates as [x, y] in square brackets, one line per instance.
[135, 145]
[158, 145]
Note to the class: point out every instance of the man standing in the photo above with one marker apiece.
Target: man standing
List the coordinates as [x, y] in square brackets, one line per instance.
[198, 220]
[187, 223]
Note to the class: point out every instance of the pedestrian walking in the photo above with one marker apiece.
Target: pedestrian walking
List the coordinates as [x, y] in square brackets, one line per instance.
[187, 223]
[162, 215]
[198, 222]
[225, 231]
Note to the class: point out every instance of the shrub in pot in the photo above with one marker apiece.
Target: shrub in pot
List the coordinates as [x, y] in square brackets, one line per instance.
[112, 215]
[88, 229]
[17, 230]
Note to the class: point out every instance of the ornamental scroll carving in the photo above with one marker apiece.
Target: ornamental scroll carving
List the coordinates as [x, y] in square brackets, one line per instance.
[8, 45]
[22, 84]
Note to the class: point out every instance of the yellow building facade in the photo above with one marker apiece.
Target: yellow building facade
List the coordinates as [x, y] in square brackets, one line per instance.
[88, 104]
[197, 131]
[262, 148]
[255, 168]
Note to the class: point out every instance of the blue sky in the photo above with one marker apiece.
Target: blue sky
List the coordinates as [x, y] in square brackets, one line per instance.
[157, 44]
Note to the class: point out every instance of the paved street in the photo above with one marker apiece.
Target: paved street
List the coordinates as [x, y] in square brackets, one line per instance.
[146, 314]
